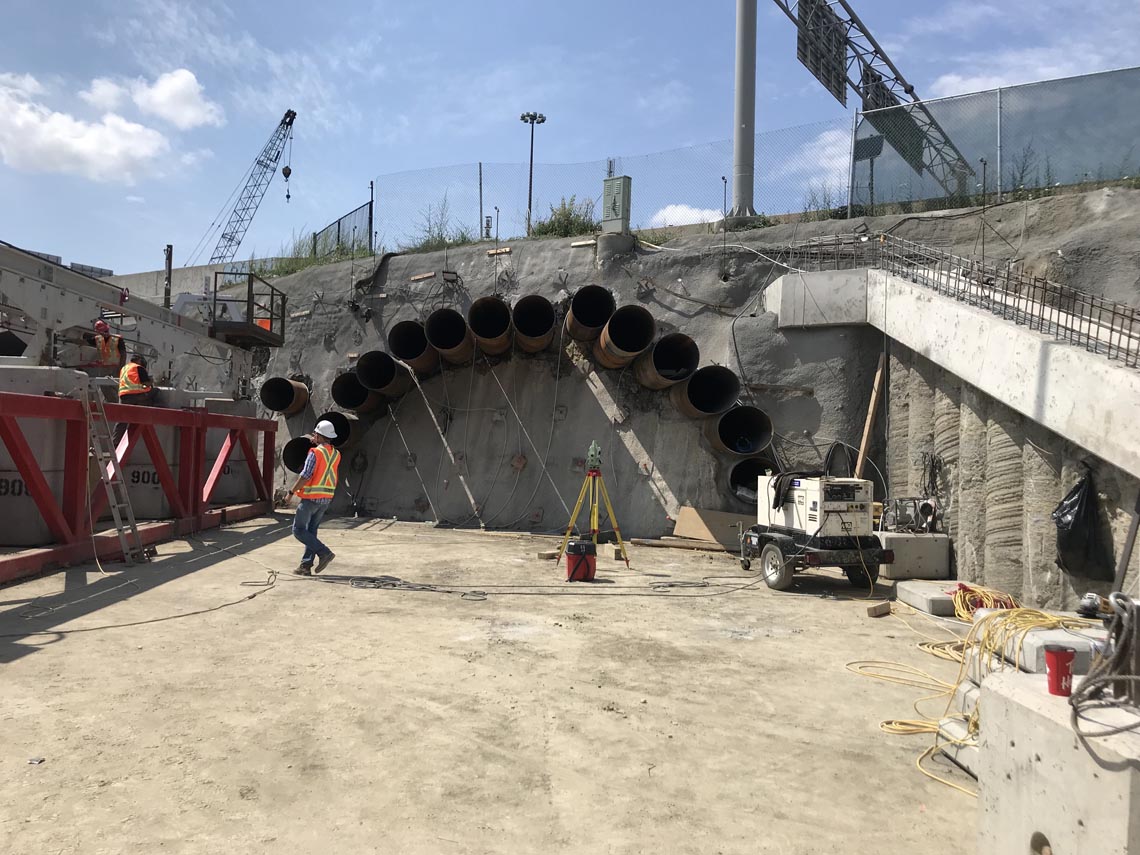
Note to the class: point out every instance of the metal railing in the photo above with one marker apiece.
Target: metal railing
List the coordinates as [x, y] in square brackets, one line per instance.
[1068, 314]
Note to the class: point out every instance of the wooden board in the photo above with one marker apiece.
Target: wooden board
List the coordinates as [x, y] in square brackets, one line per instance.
[711, 526]
[699, 545]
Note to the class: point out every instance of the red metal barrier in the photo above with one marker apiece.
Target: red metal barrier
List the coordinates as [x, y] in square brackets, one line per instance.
[68, 518]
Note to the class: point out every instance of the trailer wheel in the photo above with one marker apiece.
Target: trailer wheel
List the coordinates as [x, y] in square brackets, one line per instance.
[746, 565]
[857, 576]
[776, 570]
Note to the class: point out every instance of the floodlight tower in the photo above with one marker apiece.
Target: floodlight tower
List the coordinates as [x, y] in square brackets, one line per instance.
[744, 133]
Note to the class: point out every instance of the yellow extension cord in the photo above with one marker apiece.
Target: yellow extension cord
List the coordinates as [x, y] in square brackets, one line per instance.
[995, 635]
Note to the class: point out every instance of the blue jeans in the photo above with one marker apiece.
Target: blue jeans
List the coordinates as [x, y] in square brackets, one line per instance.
[305, 523]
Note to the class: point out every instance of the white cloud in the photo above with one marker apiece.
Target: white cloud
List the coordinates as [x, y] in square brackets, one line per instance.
[177, 97]
[683, 215]
[665, 101]
[193, 158]
[136, 200]
[20, 83]
[825, 160]
[104, 94]
[35, 138]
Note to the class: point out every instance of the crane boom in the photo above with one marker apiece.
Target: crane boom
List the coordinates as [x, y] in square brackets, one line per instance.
[252, 193]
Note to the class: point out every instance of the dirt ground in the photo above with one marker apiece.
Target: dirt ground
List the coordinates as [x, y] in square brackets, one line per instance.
[176, 716]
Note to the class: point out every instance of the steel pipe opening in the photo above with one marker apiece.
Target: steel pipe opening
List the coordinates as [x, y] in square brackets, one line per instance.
[285, 396]
[743, 474]
[348, 428]
[380, 373]
[294, 453]
[490, 322]
[590, 308]
[710, 390]
[448, 333]
[408, 342]
[672, 359]
[741, 430]
[347, 392]
[627, 333]
[534, 318]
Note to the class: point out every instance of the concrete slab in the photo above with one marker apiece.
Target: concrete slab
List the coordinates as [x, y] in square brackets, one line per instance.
[929, 597]
[956, 744]
[966, 697]
[417, 716]
[1039, 781]
[1031, 655]
[917, 556]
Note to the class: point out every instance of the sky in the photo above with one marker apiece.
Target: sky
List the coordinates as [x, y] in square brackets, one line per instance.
[126, 125]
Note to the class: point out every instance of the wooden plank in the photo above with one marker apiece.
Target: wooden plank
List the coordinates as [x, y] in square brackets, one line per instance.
[872, 409]
[711, 526]
[698, 545]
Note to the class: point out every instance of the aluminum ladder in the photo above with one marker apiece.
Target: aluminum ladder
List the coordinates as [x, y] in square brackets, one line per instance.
[107, 458]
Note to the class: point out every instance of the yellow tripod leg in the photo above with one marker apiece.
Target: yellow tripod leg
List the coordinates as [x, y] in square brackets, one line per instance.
[573, 519]
[613, 519]
[594, 522]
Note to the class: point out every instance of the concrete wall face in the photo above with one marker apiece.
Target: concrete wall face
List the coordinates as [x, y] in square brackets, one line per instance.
[506, 415]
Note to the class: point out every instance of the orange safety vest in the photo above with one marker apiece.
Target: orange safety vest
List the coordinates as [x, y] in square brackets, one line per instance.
[322, 483]
[108, 347]
[129, 383]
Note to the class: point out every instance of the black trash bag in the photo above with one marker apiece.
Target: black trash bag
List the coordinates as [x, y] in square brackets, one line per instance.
[1081, 547]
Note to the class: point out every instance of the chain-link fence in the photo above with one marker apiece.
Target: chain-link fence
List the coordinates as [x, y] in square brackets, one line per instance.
[348, 236]
[1037, 139]
[1019, 142]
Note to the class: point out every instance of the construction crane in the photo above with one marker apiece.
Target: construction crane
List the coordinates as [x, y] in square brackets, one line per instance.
[257, 182]
[840, 51]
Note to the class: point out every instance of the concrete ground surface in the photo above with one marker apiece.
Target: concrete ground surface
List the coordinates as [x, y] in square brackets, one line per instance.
[540, 717]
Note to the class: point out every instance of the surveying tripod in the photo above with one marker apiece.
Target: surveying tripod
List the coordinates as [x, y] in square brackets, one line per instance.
[596, 488]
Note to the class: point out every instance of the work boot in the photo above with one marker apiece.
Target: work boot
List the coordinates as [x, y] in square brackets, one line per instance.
[304, 570]
[323, 561]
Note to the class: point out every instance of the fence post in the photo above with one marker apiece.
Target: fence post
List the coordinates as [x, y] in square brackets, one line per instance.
[851, 161]
[371, 201]
[999, 187]
[479, 228]
[338, 243]
[314, 244]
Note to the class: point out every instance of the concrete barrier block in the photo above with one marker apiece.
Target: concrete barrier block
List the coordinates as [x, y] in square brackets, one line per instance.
[929, 597]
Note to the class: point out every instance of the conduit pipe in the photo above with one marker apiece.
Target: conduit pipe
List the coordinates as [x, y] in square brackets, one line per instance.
[590, 308]
[284, 396]
[628, 332]
[348, 428]
[709, 391]
[408, 343]
[744, 474]
[347, 392]
[294, 453]
[533, 318]
[742, 431]
[490, 322]
[449, 334]
[672, 358]
[379, 372]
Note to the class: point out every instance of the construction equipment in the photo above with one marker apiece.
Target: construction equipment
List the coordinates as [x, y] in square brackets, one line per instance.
[813, 520]
[595, 486]
[257, 180]
[107, 459]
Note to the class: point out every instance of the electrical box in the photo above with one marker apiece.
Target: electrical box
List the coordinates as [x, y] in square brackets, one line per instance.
[616, 204]
[828, 507]
[917, 556]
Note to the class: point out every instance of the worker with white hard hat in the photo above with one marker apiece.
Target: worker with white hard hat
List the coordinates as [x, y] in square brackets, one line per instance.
[316, 486]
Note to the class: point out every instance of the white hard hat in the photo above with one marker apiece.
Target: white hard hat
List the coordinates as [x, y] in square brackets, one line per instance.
[325, 428]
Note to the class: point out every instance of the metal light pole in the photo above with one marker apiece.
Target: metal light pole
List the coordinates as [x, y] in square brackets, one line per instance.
[744, 112]
[531, 119]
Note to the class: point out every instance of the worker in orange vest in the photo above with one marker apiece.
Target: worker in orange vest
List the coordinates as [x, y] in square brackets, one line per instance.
[315, 486]
[108, 346]
[134, 388]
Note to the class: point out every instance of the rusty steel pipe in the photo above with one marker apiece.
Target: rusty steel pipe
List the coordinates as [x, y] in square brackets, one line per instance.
[349, 428]
[590, 308]
[490, 321]
[294, 453]
[533, 317]
[347, 392]
[627, 333]
[284, 396]
[710, 390]
[744, 474]
[408, 343]
[449, 334]
[672, 358]
[743, 430]
[380, 373]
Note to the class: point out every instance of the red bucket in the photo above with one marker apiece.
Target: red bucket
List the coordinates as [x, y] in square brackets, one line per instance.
[1059, 669]
[581, 561]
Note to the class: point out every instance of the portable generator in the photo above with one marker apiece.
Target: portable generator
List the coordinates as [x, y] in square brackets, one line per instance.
[813, 521]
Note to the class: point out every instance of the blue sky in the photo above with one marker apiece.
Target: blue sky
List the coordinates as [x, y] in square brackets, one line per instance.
[125, 125]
